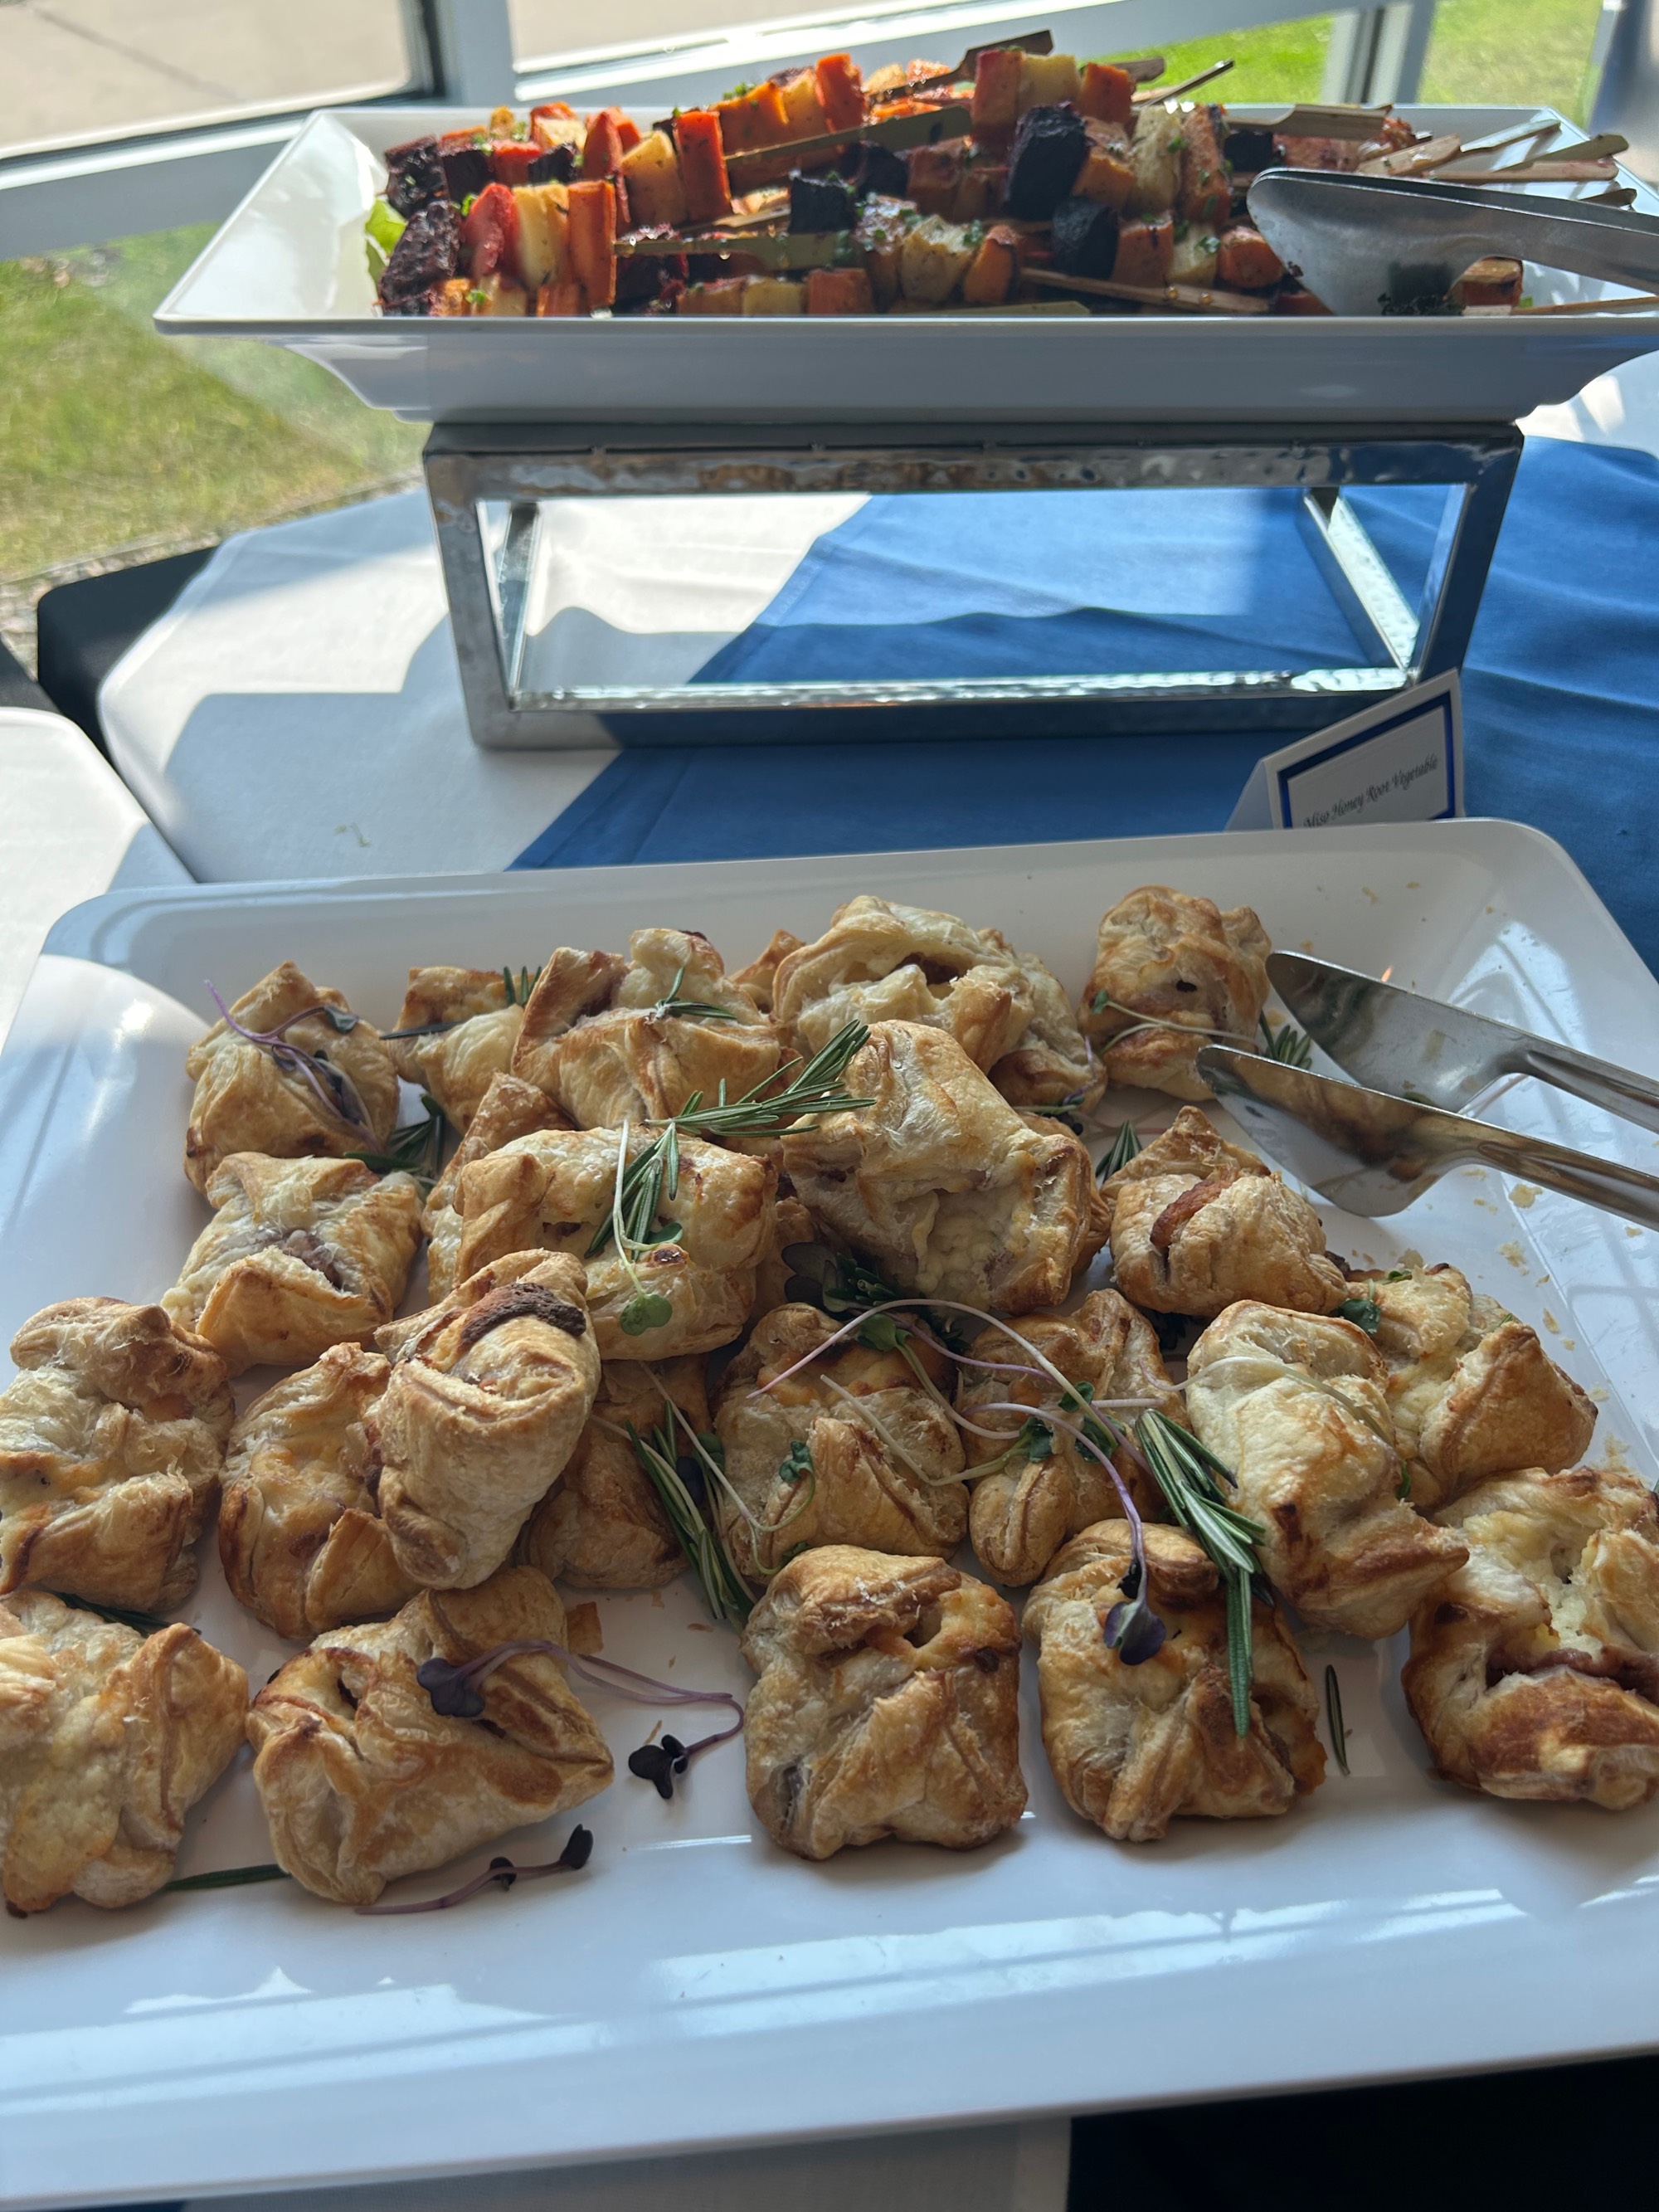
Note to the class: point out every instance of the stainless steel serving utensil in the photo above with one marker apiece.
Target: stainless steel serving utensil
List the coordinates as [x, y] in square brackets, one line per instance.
[1368, 245]
[1372, 1154]
[1416, 1049]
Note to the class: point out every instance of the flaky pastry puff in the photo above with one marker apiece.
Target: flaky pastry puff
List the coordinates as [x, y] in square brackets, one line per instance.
[1052, 1066]
[571, 986]
[635, 1062]
[488, 1393]
[853, 1449]
[300, 1254]
[602, 1526]
[888, 1704]
[1169, 957]
[112, 1438]
[1198, 1224]
[245, 1101]
[1534, 1670]
[553, 1191]
[878, 962]
[1022, 1514]
[1471, 1390]
[791, 1225]
[1134, 1747]
[302, 1543]
[362, 1781]
[759, 978]
[457, 1062]
[107, 1738]
[510, 1107]
[1296, 1406]
[941, 1184]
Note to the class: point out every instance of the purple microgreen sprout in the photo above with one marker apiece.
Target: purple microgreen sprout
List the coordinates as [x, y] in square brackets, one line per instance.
[500, 1874]
[335, 1089]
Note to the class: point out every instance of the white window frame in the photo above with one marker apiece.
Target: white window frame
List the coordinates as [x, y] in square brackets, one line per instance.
[158, 180]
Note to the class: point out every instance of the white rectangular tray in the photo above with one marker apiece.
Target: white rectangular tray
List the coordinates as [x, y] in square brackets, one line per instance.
[696, 1986]
[289, 265]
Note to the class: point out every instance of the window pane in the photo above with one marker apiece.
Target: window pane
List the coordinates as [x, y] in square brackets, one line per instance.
[1277, 61]
[544, 30]
[98, 69]
[116, 444]
[1513, 51]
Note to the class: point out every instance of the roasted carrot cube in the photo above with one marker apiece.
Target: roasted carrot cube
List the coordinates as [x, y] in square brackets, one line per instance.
[754, 120]
[702, 164]
[656, 194]
[723, 296]
[839, 292]
[935, 173]
[592, 240]
[1107, 174]
[1107, 92]
[1491, 281]
[450, 298]
[566, 298]
[840, 93]
[1245, 262]
[993, 269]
[1145, 251]
[604, 145]
[996, 91]
[1205, 186]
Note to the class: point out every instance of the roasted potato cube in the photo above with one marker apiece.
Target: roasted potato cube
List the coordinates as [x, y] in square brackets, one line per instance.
[1047, 80]
[981, 193]
[995, 270]
[802, 109]
[879, 236]
[1155, 158]
[1490, 282]
[774, 296]
[933, 259]
[1194, 258]
[541, 242]
[655, 191]
[496, 294]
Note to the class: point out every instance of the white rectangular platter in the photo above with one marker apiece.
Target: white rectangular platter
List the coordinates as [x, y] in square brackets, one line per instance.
[696, 1986]
[289, 265]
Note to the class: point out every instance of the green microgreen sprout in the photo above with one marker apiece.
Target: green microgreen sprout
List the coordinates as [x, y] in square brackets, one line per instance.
[797, 1462]
[1334, 1722]
[1364, 1312]
[1103, 1002]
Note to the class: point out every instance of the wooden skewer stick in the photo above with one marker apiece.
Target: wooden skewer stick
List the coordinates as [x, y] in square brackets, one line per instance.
[894, 130]
[1313, 121]
[1642, 303]
[1413, 161]
[1145, 69]
[1548, 172]
[1192, 299]
[1156, 95]
[1023, 42]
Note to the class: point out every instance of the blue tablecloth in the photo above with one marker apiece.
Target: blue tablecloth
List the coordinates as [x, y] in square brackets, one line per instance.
[1559, 687]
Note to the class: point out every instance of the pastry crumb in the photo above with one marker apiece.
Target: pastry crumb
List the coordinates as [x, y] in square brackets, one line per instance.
[1369, 893]
[1513, 1253]
[1524, 1194]
[1551, 1322]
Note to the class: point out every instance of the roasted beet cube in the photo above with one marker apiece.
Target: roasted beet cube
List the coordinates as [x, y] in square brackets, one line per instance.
[427, 255]
[465, 164]
[558, 165]
[870, 167]
[1084, 238]
[1048, 150]
[414, 175]
[820, 203]
[1249, 150]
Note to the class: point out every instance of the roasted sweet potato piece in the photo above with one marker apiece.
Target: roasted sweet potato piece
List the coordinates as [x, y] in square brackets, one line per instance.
[994, 270]
[724, 296]
[1492, 282]
[936, 174]
[1107, 92]
[996, 95]
[983, 188]
[610, 135]
[1205, 191]
[1145, 251]
[753, 121]
[1107, 174]
[702, 164]
[563, 299]
[840, 93]
[839, 292]
[592, 238]
[1245, 262]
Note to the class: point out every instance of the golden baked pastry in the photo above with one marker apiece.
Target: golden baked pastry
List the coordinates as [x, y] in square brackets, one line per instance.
[878, 962]
[510, 1107]
[759, 978]
[1471, 1390]
[488, 1393]
[1134, 1747]
[1534, 1670]
[571, 985]
[112, 1438]
[888, 1704]
[362, 1781]
[253, 1097]
[601, 1527]
[851, 1450]
[1296, 1406]
[1053, 1065]
[300, 1254]
[941, 1184]
[1022, 1514]
[551, 1192]
[791, 1225]
[457, 1063]
[1168, 957]
[302, 1546]
[633, 1061]
[107, 1738]
[1197, 1223]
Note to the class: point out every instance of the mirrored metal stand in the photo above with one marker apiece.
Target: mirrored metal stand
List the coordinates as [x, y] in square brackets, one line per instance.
[489, 484]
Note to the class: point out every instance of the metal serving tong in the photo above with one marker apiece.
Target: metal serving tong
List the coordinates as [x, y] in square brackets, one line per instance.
[1373, 1150]
[1368, 246]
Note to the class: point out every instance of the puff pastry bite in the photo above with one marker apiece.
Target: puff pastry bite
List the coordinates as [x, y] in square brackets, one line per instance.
[111, 1439]
[888, 1704]
[878, 962]
[489, 1392]
[1171, 959]
[759, 978]
[300, 1254]
[1053, 1065]
[1134, 1747]
[941, 1184]
[572, 985]
[302, 1543]
[245, 1101]
[552, 1191]
[791, 1225]
[1022, 1514]
[107, 1738]
[1197, 1223]
[510, 1107]
[1296, 1405]
[1534, 1670]
[480, 1018]
[851, 1450]
[602, 1526]
[361, 1781]
[1471, 1389]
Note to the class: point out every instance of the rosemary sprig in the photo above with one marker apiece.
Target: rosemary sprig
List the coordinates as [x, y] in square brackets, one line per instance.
[228, 1878]
[518, 994]
[146, 1624]
[724, 1592]
[334, 1088]
[1286, 1043]
[519, 991]
[1187, 1472]
[698, 1009]
[1125, 1146]
[415, 1149]
[1364, 1312]
[1333, 1720]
